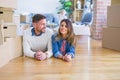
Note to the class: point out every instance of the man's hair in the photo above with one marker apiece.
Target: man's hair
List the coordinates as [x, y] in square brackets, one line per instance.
[38, 17]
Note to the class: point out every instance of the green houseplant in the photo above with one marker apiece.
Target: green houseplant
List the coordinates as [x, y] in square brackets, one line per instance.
[67, 6]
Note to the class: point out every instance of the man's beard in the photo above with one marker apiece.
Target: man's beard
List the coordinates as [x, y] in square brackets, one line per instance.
[43, 29]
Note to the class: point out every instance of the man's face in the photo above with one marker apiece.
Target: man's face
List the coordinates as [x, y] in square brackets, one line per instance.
[40, 26]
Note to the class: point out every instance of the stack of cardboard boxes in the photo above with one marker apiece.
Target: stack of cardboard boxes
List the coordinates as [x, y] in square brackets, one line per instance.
[10, 43]
[9, 27]
[111, 34]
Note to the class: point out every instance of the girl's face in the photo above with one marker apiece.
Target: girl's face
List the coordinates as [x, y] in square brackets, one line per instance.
[63, 29]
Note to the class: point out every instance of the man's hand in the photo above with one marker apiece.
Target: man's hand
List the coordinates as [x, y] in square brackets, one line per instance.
[43, 56]
[39, 55]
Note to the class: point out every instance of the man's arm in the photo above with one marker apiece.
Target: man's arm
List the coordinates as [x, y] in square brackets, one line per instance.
[26, 47]
[49, 51]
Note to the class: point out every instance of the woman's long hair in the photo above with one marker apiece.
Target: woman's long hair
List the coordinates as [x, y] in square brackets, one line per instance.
[70, 35]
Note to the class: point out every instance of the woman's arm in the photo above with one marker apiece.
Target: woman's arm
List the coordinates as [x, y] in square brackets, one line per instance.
[55, 48]
[71, 51]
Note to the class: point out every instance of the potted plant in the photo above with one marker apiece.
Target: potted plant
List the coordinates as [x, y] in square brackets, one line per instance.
[67, 6]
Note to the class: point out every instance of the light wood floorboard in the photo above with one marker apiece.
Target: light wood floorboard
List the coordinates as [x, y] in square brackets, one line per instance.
[92, 62]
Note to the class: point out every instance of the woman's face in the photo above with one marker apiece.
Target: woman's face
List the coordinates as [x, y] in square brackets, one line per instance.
[63, 29]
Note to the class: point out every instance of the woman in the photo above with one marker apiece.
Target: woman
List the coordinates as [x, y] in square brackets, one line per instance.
[63, 43]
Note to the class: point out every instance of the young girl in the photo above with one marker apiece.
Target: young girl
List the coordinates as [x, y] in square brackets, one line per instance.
[63, 43]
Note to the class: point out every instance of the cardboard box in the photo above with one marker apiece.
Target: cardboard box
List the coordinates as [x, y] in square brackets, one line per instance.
[6, 14]
[1, 35]
[22, 19]
[11, 49]
[113, 16]
[9, 3]
[111, 38]
[115, 2]
[10, 30]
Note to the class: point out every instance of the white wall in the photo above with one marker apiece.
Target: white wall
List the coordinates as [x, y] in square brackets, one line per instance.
[37, 6]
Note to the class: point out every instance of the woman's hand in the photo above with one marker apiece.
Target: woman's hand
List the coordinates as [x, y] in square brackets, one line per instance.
[67, 58]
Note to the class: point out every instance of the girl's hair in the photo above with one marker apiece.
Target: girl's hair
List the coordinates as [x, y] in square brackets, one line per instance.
[70, 35]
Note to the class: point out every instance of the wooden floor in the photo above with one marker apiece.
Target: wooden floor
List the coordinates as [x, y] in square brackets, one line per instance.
[92, 62]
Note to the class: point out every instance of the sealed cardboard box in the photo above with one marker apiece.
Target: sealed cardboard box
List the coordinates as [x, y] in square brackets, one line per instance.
[111, 38]
[113, 16]
[10, 30]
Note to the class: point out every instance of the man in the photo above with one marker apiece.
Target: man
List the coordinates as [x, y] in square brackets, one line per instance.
[37, 39]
